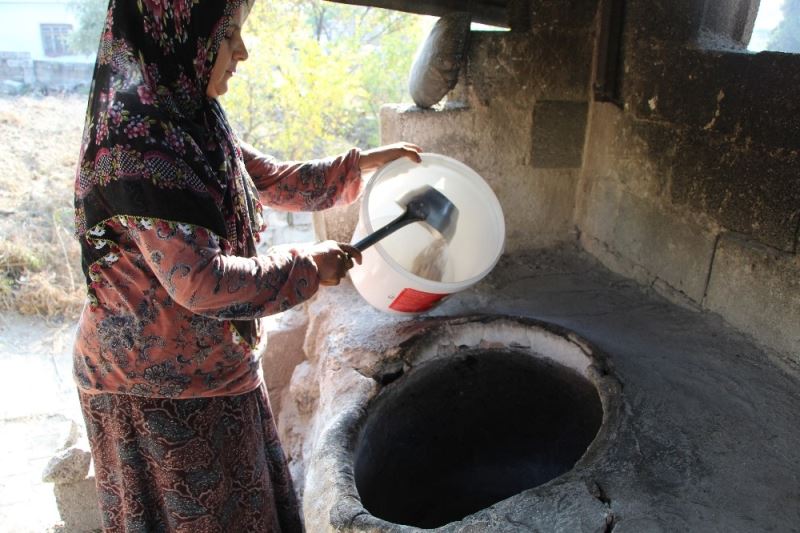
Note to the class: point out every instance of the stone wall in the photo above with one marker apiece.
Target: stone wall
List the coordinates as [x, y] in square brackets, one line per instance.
[517, 88]
[19, 72]
[687, 181]
[16, 67]
[54, 75]
[692, 185]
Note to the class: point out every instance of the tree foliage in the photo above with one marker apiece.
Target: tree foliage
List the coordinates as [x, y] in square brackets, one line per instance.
[317, 75]
[91, 14]
[786, 36]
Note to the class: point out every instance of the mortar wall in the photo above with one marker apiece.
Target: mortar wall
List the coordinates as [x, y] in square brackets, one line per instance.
[512, 91]
[692, 186]
[689, 183]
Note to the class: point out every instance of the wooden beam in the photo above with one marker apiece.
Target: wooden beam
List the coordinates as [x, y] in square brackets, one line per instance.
[608, 52]
[493, 12]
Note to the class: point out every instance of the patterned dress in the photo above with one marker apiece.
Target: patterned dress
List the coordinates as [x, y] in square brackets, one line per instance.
[168, 210]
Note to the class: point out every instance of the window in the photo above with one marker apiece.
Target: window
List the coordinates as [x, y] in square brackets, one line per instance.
[54, 39]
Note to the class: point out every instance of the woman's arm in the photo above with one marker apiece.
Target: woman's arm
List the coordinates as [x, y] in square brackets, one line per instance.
[190, 264]
[321, 183]
[304, 185]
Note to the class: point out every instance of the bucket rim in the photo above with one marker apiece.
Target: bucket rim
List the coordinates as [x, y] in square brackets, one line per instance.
[440, 287]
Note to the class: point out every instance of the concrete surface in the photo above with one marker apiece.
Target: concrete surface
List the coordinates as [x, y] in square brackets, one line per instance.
[707, 441]
[38, 407]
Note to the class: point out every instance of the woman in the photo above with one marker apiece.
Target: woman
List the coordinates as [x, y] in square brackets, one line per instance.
[168, 209]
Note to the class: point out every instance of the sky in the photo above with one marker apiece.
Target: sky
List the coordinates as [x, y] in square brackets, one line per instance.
[769, 16]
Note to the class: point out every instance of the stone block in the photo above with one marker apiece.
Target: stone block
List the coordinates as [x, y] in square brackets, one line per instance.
[559, 129]
[275, 219]
[77, 505]
[731, 19]
[750, 189]
[515, 69]
[562, 14]
[285, 336]
[768, 111]
[722, 129]
[740, 95]
[69, 465]
[638, 154]
[657, 244]
[719, 171]
[538, 206]
[757, 289]
[693, 88]
[510, 73]
[677, 22]
[304, 388]
[300, 218]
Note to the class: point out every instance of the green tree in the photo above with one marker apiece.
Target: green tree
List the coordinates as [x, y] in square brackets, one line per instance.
[318, 74]
[91, 14]
[786, 36]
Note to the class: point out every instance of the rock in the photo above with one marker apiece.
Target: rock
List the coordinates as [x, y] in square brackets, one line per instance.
[77, 431]
[304, 388]
[69, 465]
[11, 87]
[77, 505]
[435, 69]
[285, 337]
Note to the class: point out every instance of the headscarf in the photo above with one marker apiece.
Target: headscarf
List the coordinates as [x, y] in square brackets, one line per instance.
[154, 145]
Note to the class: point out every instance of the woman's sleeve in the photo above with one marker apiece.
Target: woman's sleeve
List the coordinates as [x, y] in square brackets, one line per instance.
[191, 266]
[304, 186]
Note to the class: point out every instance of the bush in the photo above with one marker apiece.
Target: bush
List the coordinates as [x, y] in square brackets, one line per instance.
[39, 258]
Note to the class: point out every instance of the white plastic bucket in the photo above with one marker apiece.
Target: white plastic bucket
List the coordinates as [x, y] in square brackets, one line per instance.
[385, 278]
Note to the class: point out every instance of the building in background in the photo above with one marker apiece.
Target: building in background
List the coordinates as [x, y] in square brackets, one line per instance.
[34, 50]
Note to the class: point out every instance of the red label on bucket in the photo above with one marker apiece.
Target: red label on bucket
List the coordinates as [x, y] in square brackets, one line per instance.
[411, 301]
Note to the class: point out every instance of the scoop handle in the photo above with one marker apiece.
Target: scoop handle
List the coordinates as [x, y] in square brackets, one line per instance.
[403, 220]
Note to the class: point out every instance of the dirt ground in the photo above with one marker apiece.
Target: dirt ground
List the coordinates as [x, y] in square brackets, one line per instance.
[38, 403]
[41, 294]
[39, 276]
[39, 257]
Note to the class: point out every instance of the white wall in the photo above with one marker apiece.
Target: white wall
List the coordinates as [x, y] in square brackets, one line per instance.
[19, 26]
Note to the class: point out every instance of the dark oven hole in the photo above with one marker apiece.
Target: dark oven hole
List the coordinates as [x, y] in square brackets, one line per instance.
[456, 435]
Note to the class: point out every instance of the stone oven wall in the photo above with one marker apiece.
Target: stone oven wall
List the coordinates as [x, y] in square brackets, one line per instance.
[518, 117]
[693, 184]
[685, 177]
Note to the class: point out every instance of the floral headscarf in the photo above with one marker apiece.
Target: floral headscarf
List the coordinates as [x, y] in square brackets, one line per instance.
[154, 145]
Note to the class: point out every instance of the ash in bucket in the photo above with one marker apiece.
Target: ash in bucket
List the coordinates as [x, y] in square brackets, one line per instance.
[431, 262]
[457, 435]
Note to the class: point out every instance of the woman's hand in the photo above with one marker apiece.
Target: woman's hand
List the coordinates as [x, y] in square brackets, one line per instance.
[377, 157]
[333, 260]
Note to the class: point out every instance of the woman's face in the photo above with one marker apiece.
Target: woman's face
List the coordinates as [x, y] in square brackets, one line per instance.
[231, 51]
